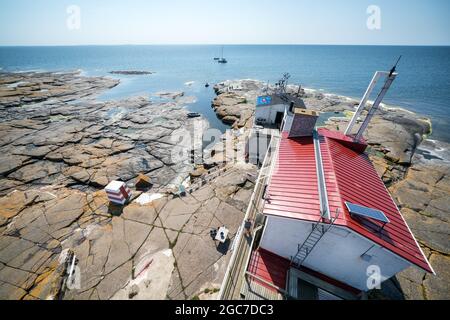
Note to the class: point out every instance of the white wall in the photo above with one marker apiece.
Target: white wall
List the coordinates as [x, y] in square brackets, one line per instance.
[337, 255]
[288, 124]
[257, 146]
[269, 112]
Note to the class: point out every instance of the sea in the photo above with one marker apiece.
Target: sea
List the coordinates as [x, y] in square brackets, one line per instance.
[422, 86]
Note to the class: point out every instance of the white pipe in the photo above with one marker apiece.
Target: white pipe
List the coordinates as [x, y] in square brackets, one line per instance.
[363, 102]
[321, 183]
[390, 79]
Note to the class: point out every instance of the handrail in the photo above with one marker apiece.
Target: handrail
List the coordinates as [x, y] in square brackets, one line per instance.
[252, 275]
[281, 290]
[238, 250]
[255, 231]
[283, 123]
[233, 266]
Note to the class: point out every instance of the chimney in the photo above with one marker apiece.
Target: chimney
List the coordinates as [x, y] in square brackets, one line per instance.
[303, 123]
[291, 106]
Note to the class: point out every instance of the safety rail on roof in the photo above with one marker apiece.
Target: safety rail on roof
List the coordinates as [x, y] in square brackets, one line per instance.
[235, 274]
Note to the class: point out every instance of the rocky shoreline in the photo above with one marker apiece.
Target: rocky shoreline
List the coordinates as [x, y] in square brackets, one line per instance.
[60, 147]
[131, 72]
[415, 170]
[67, 137]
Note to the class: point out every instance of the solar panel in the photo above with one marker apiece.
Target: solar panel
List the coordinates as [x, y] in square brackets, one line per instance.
[366, 212]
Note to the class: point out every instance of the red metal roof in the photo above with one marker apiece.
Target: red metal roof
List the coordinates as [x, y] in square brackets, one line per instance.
[293, 187]
[269, 267]
[349, 176]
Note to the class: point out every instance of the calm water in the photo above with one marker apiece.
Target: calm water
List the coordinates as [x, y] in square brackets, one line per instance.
[422, 86]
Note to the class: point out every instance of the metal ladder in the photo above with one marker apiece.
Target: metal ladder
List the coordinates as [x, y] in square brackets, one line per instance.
[317, 233]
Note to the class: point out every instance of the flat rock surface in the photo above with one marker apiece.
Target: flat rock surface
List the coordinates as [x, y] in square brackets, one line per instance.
[424, 199]
[83, 143]
[59, 148]
[164, 247]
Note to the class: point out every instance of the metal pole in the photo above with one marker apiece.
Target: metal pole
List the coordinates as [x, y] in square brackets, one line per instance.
[376, 104]
[363, 102]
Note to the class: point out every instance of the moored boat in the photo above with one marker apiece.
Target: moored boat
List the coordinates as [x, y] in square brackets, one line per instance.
[193, 115]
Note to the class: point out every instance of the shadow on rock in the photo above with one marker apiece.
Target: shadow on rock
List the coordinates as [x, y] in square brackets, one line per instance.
[115, 210]
[223, 247]
[390, 290]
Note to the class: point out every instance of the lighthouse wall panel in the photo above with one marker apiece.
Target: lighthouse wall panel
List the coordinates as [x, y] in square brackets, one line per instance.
[269, 113]
[341, 254]
[257, 146]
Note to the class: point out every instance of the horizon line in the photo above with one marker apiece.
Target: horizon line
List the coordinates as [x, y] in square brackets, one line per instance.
[222, 44]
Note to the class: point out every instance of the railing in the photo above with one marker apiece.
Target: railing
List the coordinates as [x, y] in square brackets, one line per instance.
[249, 277]
[211, 175]
[283, 123]
[231, 284]
[255, 232]
[283, 292]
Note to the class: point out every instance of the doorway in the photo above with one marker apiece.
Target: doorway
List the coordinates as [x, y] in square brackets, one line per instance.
[279, 119]
[306, 291]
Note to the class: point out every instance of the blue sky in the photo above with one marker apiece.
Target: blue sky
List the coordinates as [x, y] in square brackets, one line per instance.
[403, 22]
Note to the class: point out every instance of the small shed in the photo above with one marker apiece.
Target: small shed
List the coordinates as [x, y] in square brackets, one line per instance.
[270, 109]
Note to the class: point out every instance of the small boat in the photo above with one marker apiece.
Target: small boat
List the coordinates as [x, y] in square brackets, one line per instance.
[216, 59]
[207, 85]
[222, 60]
[193, 115]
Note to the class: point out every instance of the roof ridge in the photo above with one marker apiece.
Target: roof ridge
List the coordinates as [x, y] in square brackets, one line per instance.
[336, 184]
[321, 180]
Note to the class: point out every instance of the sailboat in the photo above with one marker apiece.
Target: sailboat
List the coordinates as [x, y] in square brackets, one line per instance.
[222, 60]
[216, 58]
